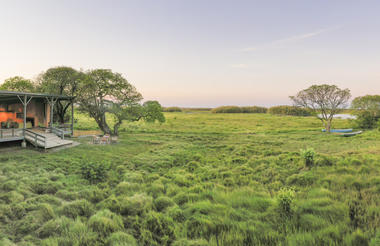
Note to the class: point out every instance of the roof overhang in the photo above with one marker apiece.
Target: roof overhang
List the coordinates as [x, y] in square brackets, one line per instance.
[14, 96]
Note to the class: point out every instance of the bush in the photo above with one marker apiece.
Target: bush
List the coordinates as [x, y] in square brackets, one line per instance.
[236, 109]
[172, 109]
[285, 199]
[308, 156]
[227, 109]
[366, 120]
[289, 110]
[367, 111]
[254, 109]
[95, 172]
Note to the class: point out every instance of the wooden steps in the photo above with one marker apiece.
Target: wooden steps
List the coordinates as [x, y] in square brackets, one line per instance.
[46, 140]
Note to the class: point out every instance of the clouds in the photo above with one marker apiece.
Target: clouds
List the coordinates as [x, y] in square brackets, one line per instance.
[290, 39]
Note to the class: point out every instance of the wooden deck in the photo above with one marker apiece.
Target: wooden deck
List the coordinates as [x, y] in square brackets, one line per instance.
[43, 139]
[37, 137]
[7, 135]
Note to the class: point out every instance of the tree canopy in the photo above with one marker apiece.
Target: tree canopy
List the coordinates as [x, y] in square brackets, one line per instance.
[150, 111]
[324, 101]
[367, 110]
[102, 91]
[18, 83]
[60, 81]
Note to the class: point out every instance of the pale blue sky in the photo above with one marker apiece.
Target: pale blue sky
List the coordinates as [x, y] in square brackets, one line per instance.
[200, 52]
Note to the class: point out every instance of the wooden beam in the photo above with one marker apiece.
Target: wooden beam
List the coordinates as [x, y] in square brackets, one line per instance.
[72, 118]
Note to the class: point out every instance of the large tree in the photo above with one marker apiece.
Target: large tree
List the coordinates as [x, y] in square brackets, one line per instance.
[367, 110]
[150, 111]
[60, 81]
[18, 83]
[324, 100]
[101, 90]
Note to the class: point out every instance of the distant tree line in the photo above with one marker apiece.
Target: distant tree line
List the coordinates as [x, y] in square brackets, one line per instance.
[100, 93]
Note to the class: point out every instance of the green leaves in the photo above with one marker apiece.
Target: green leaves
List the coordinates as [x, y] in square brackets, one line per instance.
[308, 156]
[18, 84]
[367, 110]
[324, 100]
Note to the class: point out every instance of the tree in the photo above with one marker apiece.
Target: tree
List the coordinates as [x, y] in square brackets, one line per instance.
[102, 91]
[18, 83]
[150, 111]
[367, 110]
[61, 81]
[324, 101]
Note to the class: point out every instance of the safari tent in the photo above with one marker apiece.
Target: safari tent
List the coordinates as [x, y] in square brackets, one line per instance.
[29, 117]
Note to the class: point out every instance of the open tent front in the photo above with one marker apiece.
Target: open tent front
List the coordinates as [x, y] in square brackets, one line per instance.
[30, 117]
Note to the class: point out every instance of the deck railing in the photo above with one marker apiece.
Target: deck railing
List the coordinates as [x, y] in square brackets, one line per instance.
[59, 132]
[36, 139]
[11, 133]
[62, 130]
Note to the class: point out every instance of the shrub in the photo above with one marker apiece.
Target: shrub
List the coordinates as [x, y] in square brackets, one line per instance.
[172, 109]
[254, 109]
[95, 172]
[105, 222]
[367, 111]
[366, 120]
[289, 110]
[226, 109]
[285, 199]
[308, 156]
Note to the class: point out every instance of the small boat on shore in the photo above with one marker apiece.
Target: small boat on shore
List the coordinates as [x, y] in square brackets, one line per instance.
[349, 134]
[338, 130]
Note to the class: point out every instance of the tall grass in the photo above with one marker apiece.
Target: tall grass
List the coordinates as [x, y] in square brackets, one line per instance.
[197, 179]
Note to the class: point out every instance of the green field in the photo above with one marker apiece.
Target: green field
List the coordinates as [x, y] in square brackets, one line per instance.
[197, 179]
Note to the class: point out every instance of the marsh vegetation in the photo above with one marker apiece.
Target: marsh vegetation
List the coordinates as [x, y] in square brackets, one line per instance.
[198, 179]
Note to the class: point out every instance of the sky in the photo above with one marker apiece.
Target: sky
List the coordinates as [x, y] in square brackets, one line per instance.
[200, 53]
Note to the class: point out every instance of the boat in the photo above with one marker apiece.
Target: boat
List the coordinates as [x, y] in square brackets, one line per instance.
[338, 130]
[349, 134]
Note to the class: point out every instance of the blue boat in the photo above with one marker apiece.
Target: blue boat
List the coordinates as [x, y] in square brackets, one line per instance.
[338, 130]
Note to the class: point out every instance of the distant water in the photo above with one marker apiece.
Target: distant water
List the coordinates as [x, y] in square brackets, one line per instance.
[344, 116]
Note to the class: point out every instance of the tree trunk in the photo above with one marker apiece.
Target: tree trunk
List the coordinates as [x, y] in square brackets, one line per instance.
[101, 121]
[116, 128]
[328, 126]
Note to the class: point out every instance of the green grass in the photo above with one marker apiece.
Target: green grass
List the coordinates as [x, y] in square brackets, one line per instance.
[198, 179]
